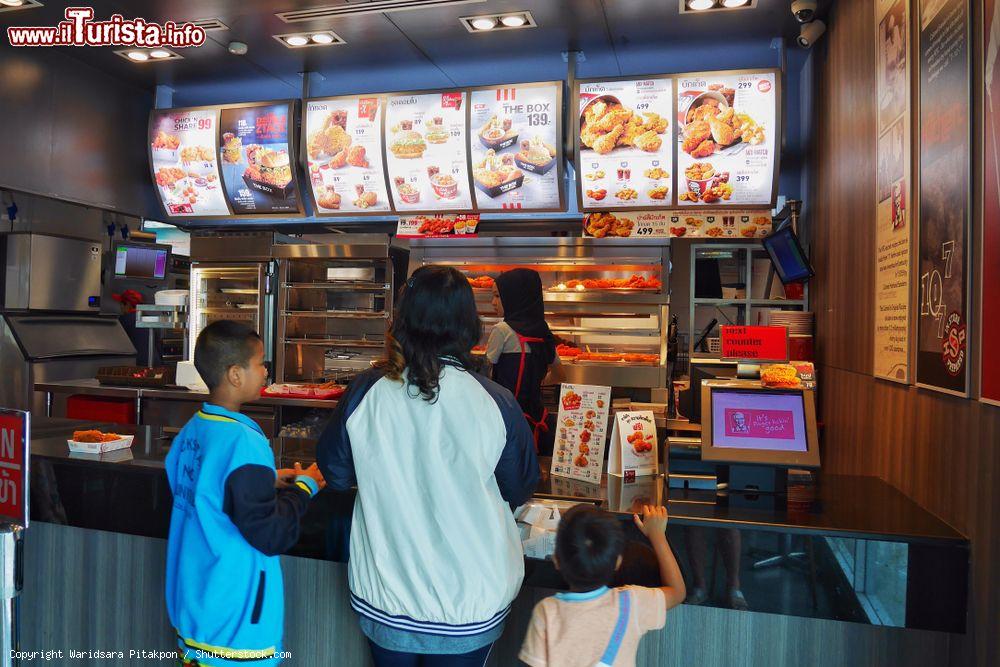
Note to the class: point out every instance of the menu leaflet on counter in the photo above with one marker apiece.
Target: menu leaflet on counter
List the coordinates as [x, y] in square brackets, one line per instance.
[427, 152]
[727, 138]
[515, 143]
[581, 432]
[256, 159]
[626, 160]
[344, 155]
[183, 149]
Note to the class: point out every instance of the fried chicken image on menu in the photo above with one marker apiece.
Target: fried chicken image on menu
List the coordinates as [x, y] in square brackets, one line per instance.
[356, 156]
[711, 128]
[607, 124]
[698, 139]
[331, 139]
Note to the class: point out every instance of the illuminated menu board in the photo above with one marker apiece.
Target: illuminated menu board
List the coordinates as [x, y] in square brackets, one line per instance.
[183, 150]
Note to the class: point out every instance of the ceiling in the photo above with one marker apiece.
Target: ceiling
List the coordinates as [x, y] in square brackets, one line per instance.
[428, 48]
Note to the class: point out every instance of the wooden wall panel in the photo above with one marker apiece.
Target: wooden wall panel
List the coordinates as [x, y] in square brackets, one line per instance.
[939, 450]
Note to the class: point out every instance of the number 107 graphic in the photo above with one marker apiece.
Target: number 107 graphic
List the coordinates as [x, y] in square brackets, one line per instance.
[932, 289]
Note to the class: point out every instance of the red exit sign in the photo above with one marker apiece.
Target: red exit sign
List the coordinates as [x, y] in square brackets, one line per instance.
[14, 430]
[755, 343]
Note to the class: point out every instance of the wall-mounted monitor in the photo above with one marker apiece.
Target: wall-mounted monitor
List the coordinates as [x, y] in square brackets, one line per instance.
[140, 261]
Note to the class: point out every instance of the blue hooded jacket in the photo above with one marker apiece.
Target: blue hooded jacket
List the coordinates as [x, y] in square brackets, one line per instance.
[225, 595]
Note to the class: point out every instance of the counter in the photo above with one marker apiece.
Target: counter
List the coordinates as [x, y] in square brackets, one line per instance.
[821, 557]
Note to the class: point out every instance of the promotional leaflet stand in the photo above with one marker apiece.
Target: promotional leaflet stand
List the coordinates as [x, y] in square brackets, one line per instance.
[15, 430]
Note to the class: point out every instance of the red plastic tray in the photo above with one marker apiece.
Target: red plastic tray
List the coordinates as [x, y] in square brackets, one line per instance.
[293, 391]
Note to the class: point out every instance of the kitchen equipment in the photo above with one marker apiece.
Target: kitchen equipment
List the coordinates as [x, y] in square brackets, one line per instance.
[51, 327]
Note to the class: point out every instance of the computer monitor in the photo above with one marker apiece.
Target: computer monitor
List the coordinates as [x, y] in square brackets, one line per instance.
[140, 261]
[747, 423]
[789, 260]
[703, 369]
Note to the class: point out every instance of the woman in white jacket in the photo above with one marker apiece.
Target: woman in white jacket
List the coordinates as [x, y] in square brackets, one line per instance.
[439, 455]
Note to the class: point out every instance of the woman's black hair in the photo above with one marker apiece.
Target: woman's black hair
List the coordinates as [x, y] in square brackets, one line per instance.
[435, 319]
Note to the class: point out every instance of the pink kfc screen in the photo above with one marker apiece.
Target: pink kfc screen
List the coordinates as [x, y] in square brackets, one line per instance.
[758, 420]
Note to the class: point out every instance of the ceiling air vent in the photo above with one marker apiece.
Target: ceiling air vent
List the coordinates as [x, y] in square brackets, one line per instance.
[210, 25]
[374, 7]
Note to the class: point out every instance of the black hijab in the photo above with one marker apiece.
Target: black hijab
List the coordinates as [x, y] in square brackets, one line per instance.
[523, 309]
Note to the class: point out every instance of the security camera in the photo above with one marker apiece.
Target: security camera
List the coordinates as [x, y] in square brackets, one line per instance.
[804, 10]
[810, 33]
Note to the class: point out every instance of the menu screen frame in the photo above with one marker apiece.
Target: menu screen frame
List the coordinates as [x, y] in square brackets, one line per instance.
[779, 122]
[560, 148]
[382, 98]
[293, 127]
[463, 90]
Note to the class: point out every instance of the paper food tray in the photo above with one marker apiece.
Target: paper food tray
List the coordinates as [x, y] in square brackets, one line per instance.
[100, 447]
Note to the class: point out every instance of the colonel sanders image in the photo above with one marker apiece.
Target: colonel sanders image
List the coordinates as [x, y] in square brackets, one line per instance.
[739, 424]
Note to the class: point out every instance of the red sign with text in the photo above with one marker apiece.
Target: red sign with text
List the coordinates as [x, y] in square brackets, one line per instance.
[13, 427]
[755, 343]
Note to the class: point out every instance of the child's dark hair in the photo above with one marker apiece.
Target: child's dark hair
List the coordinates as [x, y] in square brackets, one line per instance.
[220, 346]
[588, 545]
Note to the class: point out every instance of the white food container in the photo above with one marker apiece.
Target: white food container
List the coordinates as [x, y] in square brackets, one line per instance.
[123, 442]
[171, 297]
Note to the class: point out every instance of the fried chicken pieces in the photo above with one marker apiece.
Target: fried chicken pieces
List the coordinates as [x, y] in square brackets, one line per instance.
[331, 139]
[607, 125]
[600, 225]
[710, 128]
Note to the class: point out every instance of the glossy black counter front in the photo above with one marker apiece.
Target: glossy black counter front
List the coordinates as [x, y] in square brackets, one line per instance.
[848, 548]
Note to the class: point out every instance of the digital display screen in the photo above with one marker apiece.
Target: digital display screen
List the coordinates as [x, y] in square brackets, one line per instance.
[138, 262]
[759, 420]
[787, 256]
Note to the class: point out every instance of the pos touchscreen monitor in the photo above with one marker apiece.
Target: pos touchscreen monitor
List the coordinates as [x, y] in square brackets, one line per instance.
[743, 422]
[140, 261]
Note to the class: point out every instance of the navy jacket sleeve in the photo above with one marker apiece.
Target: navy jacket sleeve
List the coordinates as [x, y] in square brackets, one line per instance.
[268, 518]
[333, 451]
[517, 470]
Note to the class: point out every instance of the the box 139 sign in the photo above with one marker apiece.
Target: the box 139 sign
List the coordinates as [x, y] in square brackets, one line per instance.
[15, 428]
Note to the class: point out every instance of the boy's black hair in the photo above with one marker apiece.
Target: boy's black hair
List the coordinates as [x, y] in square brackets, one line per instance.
[220, 346]
[588, 545]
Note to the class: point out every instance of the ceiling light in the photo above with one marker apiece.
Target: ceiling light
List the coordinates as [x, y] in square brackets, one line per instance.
[160, 53]
[12, 3]
[296, 40]
[484, 23]
[701, 5]
[734, 3]
[513, 20]
[148, 55]
[137, 56]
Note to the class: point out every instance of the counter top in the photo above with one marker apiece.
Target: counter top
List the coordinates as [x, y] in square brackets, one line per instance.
[838, 505]
[92, 387]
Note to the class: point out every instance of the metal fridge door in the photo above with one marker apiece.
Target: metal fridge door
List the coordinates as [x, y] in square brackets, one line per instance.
[230, 291]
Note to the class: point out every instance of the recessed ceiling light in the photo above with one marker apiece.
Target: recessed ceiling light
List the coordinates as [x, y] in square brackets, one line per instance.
[484, 23]
[701, 5]
[148, 55]
[18, 5]
[12, 3]
[297, 40]
[513, 20]
[138, 56]
[160, 53]
[734, 3]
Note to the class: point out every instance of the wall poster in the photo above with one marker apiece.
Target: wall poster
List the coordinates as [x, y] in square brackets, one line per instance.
[990, 380]
[944, 196]
[893, 231]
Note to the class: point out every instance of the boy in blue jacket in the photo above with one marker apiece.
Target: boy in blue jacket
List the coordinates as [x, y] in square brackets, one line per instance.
[233, 513]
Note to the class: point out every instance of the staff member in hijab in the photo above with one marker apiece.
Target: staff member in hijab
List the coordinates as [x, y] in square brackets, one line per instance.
[521, 347]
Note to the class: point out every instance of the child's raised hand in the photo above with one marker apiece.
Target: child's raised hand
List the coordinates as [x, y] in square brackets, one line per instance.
[653, 521]
[311, 471]
[285, 477]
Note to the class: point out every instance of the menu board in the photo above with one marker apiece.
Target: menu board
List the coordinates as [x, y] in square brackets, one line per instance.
[943, 249]
[256, 158]
[183, 149]
[727, 138]
[427, 152]
[343, 144]
[891, 351]
[515, 147]
[678, 224]
[990, 381]
[581, 433]
[626, 160]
